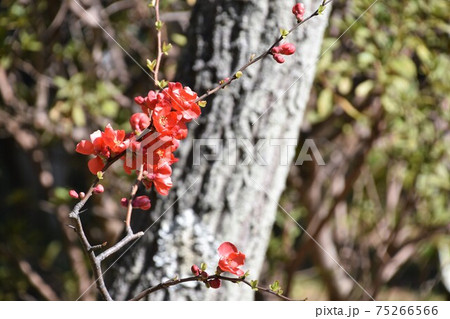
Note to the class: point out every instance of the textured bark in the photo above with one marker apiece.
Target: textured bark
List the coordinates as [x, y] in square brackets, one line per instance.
[226, 202]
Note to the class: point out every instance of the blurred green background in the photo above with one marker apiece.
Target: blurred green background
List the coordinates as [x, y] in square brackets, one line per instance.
[379, 113]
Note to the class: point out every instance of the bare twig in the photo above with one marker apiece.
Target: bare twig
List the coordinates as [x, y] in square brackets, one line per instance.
[134, 190]
[176, 281]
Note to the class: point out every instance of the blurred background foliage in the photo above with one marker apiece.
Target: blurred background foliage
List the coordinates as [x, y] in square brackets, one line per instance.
[379, 114]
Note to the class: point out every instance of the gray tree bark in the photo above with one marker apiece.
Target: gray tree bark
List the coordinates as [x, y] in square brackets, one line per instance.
[218, 201]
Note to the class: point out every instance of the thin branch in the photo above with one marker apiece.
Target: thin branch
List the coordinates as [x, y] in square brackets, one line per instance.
[233, 77]
[159, 44]
[134, 190]
[174, 282]
[36, 281]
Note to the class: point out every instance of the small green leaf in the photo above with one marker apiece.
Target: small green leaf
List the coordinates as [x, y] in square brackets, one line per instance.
[151, 65]
[254, 284]
[321, 9]
[158, 25]
[238, 74]
[284, 33]
[202, 103]
[162, 84]
[100, 175]
[166, 48]
[152, 3]
[203, 266]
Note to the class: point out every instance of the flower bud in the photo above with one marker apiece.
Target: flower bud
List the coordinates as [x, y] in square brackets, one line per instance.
[215, 283]
[73, 193]
[82, 195]
[195, 270]
[298, 10]
[279, 58]
[204, 275]
[139, 121]
[124, 202]
[287, 49]
[98, 189]
[142, 202]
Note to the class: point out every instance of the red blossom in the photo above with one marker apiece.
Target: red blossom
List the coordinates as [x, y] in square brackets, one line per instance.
[103, 145]
[231, 259]
[158, 175]
[182, 100]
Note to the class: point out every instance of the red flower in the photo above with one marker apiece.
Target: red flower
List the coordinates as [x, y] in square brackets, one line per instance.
[298, 10]
[231, 259]
[182, 100]
[195, 270]
[103, 145]
[165, 120]
[158, 175]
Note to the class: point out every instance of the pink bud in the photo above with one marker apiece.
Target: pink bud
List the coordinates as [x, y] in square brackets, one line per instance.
[298, 10]
[204, 275]
[142, 202]
[215, 283]
[139, 121]
[124, 202]
[82, 195]
[275, 50]
[73, 194]
[195, 270]
[287, 49]
[98, 189]
[278, 58]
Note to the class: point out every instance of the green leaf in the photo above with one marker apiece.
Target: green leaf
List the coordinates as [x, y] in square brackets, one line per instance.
[202, 103]
[284, 33]
[158, 25]
[151, 65]
[254, 284]
[238, 74]
[321, 9]
[179, 39]
[78, 116]
[162, 84]
[325, 103]
[166, 48]
[203, 266]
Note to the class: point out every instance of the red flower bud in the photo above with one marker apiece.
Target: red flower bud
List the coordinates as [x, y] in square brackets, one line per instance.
[98, 189]
[287, 49]
[139, 121]
[73, 193]
[275, 50]
[124, 202]
[298, 10]
[195, 270]
[279, 58]
[215, 283]
[204, 275]
[142, 202]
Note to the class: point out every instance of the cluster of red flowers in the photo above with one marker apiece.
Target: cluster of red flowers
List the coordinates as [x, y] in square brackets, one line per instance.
[165, 114]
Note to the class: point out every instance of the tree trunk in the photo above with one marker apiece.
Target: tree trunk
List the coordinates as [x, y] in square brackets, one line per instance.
[218, 201]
